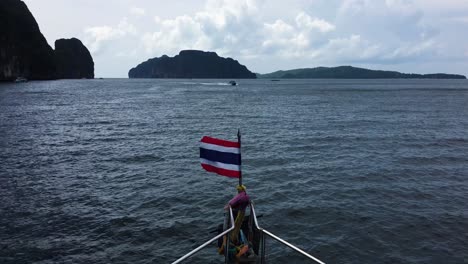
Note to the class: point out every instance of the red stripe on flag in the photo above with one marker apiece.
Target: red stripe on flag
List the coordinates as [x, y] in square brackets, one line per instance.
[223, 172]
[220, 142]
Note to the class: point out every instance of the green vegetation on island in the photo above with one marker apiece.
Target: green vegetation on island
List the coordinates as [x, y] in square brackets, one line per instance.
[349, 72]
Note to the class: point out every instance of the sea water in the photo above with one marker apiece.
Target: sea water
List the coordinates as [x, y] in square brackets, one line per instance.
[351, 171]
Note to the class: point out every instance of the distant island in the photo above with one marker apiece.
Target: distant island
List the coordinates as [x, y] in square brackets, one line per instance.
[349, 72]
[24, 52]
[192, 64]
[203, 64]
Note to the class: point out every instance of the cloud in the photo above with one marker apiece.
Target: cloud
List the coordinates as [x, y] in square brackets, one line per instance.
[280, 35]
[363, 30]
[442, 6]
[294, 40]
[381, 19]
[236, 28]
[136, 11]
[308, 32]
[97, 37]
[410, 50]
[182, 32]
[461, 19]
[224, 26]
[304, 21]
[348, 49]
[129, 54]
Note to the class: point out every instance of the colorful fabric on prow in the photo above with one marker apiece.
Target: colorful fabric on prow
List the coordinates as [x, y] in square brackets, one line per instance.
[240, 201]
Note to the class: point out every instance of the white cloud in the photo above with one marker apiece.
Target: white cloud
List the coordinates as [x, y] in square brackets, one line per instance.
[410, 50]
[157, 19]
[392, 32]
[182, 32]
[130, 54]
[136, 11]
[461, 19]
[279, 34]
[441, 6]
[310, 32]
[348, 49]
[304, 21]
[291, 41]
[124, 27]
[352, 48]
[96, 37]
[224, 26]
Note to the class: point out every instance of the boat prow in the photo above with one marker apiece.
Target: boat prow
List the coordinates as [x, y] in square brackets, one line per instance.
[255, 238]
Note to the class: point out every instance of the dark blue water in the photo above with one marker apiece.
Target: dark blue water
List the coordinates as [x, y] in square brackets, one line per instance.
[352, 171]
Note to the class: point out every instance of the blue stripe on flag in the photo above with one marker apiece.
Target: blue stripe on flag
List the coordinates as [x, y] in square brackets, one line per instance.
[224, 157]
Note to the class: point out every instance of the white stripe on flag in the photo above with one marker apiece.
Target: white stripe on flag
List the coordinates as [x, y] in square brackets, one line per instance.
[221, 165]
[219, 148]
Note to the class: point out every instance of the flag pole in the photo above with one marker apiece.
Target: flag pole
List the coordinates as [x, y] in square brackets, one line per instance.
[240, 157]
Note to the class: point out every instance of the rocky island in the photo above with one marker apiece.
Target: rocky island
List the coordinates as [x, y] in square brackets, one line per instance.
[191, 64]
[349, 72]
[73, 60]
[24, 52]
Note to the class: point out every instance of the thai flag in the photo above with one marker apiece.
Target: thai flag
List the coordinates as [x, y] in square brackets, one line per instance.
[220, 156]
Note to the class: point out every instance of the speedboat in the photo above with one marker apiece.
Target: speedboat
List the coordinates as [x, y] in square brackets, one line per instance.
[21, 79]
[233, 83]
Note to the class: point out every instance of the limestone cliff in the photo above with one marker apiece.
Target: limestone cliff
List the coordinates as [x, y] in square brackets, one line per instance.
[191, 64]
[73, 60]
[24, 51]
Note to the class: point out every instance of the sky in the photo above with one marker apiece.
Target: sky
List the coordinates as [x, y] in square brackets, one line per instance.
[413, 36]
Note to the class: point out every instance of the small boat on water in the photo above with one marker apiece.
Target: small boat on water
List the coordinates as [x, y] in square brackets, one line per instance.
[20, 80]
[233, 83]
